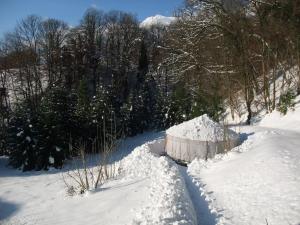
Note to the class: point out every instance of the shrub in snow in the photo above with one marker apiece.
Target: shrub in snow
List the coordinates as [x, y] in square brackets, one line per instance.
[84, 177]
[286, 102]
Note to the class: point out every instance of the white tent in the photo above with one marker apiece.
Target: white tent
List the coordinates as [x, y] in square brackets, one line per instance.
[199, 138]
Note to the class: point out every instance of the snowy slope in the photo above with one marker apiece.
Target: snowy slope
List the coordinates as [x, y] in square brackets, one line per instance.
[259, 181]
[291, 121]
[15, 89]
[157, 20]
[239, 109]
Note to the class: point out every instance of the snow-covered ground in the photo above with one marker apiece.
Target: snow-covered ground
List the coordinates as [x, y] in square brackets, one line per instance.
[40, 197]
[259, 181]
[148, 190]
[256, 183]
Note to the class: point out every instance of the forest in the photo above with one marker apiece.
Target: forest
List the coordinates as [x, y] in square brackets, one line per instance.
[110, 78]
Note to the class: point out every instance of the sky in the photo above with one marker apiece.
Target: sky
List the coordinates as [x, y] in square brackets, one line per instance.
[71, 11]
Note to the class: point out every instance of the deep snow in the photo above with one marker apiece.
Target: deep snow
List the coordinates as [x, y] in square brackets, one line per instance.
[169, 201]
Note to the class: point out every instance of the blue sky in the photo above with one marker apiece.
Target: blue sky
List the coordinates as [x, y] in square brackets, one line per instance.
[71, 11]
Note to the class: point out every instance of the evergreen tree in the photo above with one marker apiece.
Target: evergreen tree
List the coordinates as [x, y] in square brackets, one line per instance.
[83, 111]
[179, 108]
[22, 138]
[141, 100]
[102, 109]
[56, 120]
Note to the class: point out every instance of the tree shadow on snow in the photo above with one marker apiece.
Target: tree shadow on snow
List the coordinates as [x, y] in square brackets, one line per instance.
[118, 186]
[245, 136]
[7, 209]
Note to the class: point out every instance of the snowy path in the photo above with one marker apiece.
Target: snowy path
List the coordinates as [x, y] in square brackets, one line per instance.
[201, 205]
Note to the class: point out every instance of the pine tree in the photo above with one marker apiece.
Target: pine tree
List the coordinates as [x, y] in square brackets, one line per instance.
[179, 108]
[136, 116]
[141, 99]
[22, 138]
[102, 110]
[83, 111]
[56, 126]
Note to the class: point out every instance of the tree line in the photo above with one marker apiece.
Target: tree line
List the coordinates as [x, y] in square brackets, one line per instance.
[70, 85]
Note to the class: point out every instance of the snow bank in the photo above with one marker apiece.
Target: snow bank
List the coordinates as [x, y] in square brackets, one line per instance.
[290, 121]
[169, 201]
[139, 163]
[200, 128]
[157, 147]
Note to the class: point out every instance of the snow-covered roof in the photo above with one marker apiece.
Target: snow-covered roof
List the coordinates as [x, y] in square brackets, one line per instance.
[157, 20]
[201, 128]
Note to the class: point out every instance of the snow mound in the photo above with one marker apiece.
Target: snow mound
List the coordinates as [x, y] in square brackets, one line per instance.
[138, 164]
[169, 201]
[201, 128]
[157, 20]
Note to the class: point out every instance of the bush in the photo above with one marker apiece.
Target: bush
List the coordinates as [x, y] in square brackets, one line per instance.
[286, 102]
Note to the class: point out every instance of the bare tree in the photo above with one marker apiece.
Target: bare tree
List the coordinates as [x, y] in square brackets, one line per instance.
[52, 35]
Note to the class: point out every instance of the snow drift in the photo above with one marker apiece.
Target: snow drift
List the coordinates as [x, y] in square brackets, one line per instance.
[169, 201]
